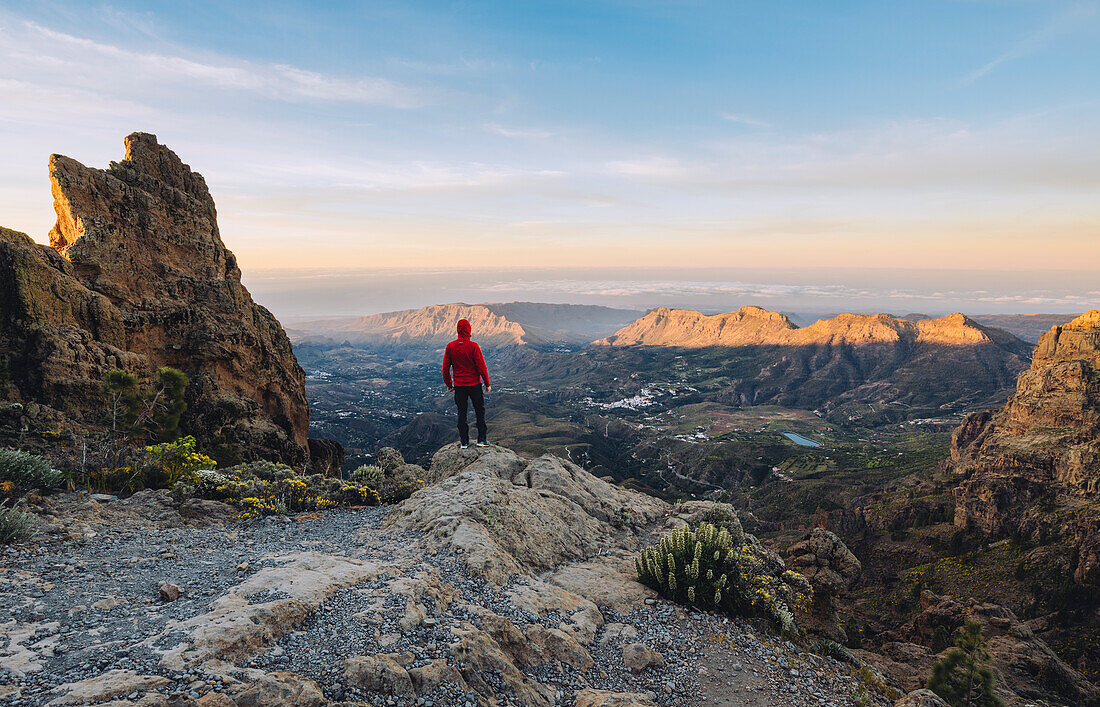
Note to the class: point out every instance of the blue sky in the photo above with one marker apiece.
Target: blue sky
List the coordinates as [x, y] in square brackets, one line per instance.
[893, 135]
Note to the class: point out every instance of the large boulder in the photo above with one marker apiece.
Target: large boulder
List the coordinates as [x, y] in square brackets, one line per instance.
[508, 515]
[921, 698]
[830, 566]
[281, 690]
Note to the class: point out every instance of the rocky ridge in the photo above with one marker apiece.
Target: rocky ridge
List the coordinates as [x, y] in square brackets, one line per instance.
[139, 278]
[435, 602]
[754, 326]
[497, 324]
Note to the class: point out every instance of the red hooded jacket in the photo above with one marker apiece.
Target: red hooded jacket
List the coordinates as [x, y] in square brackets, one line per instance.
[465, 357]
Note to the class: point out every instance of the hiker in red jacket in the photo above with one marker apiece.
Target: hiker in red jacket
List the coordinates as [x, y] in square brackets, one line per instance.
[469, 365]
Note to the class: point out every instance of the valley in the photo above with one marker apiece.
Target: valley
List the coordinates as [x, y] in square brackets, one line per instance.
[736, 425]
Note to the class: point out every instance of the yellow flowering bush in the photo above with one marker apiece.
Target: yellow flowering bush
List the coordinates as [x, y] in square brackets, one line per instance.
[265, 488]
[704, 567]
[171, 463]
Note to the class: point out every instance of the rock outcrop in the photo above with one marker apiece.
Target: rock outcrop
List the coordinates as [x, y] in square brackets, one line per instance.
[508, 515]
[1044, 444]
[139, 278]
[747, 326]
[826, 561]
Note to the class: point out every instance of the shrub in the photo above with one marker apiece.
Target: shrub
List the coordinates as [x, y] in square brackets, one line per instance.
[962, 677]
[15, 524]
[852, 636]
[265, 488]
[832, 649]
[368, 475]
[152, 412]
[704, 568]
[400, 483]
[941, 639]
[170, 463]
[27, 471]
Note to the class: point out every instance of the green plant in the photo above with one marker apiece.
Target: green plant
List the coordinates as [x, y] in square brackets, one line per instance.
[15, 524]
[27, 471]
[704, 568]
[962, 677]
[941, 639]
[169, 463]
[367, 475]
[266, 488]
[873, 681]
[152, 412]
[832, 649]
[168, 403]
[120, 389]
[853, 638]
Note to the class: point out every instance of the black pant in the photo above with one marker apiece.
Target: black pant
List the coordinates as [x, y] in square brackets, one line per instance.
[473, 394]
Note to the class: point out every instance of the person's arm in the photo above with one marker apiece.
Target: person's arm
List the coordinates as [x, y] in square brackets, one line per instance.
[447, 368]
[481, 367]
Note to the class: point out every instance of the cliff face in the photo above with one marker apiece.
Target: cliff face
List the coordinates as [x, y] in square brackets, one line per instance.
[498, 324]
[753, 326]
[433, 326]
[139, 278]
[1044, 444]
[681, 327]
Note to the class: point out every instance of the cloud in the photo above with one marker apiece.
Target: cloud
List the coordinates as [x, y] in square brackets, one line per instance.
[656, 166]
[745, 120]
[529, 133]
[1065, 21]
[57, 56]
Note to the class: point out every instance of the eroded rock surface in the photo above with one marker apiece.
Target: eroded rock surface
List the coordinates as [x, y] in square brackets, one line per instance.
[1046, 440]
[138, 278]
[508, 515]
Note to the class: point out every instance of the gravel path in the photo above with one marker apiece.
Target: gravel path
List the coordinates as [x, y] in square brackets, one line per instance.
[80, 608]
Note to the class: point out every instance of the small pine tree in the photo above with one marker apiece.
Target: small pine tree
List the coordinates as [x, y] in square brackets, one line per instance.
[168, 403]
[852, 637]
[941, 639]
[962, 677]
[123, 400]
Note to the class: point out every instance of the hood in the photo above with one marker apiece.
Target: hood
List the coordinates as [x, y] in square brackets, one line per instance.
[464, 328]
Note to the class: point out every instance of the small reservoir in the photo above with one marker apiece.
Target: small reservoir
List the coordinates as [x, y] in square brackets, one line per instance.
[800, 440]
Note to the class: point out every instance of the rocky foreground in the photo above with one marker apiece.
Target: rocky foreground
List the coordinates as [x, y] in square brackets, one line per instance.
[502, 581]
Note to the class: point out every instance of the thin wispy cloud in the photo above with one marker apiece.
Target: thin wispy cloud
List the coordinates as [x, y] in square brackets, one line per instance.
[401, 134]
[32, 47]
[523, 133]
[745, 120]
[1064, 21]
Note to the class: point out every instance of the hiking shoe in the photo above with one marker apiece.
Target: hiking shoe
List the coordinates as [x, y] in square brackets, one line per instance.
[463, 446]
[483, 444]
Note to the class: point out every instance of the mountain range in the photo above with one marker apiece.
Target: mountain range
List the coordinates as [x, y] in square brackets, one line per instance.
[753, 326]
[494, 324]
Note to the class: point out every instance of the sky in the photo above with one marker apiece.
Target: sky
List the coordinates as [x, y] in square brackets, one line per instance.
[956, 136]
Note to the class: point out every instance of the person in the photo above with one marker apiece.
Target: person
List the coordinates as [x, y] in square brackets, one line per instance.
[464, 356]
